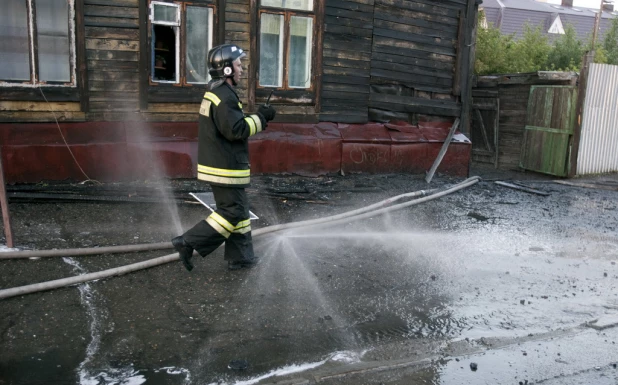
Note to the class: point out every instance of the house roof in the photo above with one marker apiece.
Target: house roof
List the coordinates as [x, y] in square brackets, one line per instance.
[510, 16]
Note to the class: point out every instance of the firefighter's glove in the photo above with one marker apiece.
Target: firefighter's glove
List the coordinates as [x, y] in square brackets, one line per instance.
[267, 111]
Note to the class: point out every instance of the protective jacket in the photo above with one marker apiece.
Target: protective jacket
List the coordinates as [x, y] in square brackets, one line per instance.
[224, 131]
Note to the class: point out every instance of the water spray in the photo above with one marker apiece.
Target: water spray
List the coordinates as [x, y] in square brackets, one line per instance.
[354, 215]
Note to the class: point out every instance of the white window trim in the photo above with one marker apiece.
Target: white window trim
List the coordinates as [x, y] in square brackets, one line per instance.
[556, 27]
[31, 38]
[176, 27]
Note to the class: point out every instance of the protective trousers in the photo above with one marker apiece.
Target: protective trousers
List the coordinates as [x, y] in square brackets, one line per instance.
[229, 223]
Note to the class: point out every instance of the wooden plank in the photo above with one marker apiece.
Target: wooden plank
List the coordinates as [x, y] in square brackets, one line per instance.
[413, 61]
[394, 45]
[419, 19]
[442, 152]
[433, 44]
[345, 22]
[82, 69]
[39, 106]
[360, 64]
[112, 55]
[351, 79]
[95, 21]
[396, 23]
[339, 94]
[342, 71]
[184, 108]
[112, 12]
[381, 49]
[439, 73]
[143, 64]
[347, 55]
[236, 27]
[353, 43]
[52, 94]
[418, 6]
[109, 65]
[361, 89]
[238, 17]
[112, 44]
[115, 3]
[112, 33]
[116, 76]
[109, 96]
[237, 8]
[113, 86]
[331, 28]
[115, 105]
[40, 116]
[410, 78]
[337, 12]
[351, 6]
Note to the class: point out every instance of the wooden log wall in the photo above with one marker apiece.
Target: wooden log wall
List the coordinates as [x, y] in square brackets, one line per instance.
[112, 58]
[348, 32]
[379, 60]
[414, 59]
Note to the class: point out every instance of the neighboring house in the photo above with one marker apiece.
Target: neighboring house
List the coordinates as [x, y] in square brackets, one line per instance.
[109, 69]
[511, 16]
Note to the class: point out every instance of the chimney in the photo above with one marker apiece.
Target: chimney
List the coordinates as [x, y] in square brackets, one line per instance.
[608, 7]
[567, 3]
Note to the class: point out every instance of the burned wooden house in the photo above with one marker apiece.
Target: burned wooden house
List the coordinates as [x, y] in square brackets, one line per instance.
[104, 89]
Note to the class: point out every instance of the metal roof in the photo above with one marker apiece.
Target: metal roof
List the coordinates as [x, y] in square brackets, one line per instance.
[510, 16]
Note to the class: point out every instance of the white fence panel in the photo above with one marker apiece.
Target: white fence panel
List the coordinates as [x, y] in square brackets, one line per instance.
[598, 147]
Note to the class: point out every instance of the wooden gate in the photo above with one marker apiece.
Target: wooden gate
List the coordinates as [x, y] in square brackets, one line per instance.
[484, 128]
[549, 129]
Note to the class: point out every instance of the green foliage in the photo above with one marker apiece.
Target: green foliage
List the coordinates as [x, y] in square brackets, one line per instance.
[497, 53]
[610, 43]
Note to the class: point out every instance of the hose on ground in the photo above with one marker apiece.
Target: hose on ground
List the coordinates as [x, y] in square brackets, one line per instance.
[49, 285]
[168, 245]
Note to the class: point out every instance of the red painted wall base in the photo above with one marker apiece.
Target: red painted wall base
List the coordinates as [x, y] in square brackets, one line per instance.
[123, 151]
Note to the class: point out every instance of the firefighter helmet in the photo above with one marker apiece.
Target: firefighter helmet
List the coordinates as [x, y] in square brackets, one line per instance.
[220, 59]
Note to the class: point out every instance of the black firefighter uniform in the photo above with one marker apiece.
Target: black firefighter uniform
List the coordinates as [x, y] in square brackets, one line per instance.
[223, 161]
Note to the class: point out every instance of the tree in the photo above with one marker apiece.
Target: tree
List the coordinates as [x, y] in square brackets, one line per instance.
[530, 53]
[567, 52]
[610, 43]
[497, 53]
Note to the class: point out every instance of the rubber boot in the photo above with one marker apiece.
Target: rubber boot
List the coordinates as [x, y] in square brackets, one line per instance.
[184, 250]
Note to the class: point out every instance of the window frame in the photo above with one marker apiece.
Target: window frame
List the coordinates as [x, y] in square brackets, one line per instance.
[33, 56]
[287, 17]
[180, 41]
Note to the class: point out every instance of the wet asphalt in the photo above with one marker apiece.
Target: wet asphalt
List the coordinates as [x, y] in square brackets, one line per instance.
[488, 285]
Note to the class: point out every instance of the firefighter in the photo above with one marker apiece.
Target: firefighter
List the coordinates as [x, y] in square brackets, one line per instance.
[223, 162]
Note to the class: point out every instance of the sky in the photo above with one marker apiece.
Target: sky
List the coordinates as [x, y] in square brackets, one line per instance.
[581, 3]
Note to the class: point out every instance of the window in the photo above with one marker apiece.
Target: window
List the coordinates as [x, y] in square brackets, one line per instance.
[37, 42]
[181, 35]
[286, 39]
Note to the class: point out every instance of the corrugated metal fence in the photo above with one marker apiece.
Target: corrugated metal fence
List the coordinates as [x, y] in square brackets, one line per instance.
[598, 148]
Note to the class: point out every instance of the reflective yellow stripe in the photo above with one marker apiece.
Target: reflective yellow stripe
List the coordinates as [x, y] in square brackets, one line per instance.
[223, 171]
[217, 226]
[258, 123]
[222, 179]
[242, 227]
[222, 221]
[252, 128]
[240, 105]
[205, 107]
[212, 97]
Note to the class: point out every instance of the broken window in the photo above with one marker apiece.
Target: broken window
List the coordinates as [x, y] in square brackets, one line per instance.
[181, 36]
[286, 41]
[37, 42]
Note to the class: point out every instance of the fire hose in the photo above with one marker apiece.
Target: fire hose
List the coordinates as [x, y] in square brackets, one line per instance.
[354, 215]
